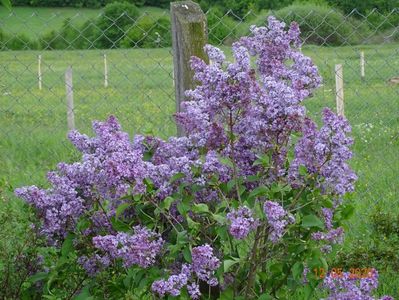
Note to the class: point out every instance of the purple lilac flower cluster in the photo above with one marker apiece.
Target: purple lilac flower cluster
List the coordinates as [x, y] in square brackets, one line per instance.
[203, 267]
[260, 113]
[333, 235]
[347, 287]
[141, 248]
[277, 219]
[325, 153]
[94, 264]
[242, 222]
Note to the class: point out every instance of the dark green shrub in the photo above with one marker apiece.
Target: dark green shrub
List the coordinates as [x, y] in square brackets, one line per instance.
[71, 36]
[16, 42]
[363, 6]
[272, 4]
[322, 25]
[116, 20]
[382, 21]
[19, 245]
[148, 33]
[65, 38]
[158, 3]
[381, 247]
[221, 27]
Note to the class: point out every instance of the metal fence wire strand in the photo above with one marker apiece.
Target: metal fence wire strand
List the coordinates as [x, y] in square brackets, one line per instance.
[123, 66]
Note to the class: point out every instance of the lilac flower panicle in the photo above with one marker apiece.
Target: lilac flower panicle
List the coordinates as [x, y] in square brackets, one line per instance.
[141, 248]
[242, 222]
[325, 153]
[94, 264]
[204, 264]
[194, 291]
[277, 218]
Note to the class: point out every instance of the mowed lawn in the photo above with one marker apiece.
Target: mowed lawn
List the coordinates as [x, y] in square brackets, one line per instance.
[33, 123]
[34, 21]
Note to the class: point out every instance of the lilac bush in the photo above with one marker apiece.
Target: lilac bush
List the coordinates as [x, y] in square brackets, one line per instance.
[250, 198]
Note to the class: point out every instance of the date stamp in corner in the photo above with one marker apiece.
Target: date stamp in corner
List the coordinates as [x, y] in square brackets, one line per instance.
[352, 273]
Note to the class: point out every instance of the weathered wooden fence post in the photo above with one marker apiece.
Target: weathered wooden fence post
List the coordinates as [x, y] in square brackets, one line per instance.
[189, 36]
[339, 89]
[69, 98]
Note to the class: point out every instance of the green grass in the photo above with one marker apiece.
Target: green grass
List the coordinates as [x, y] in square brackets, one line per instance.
[141, 94]
[31, 20]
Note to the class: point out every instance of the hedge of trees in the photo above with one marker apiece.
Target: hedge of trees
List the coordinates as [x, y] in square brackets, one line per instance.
[121, 26]
[239, 7]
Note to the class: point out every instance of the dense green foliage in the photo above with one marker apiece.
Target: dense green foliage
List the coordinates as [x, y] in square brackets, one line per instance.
[322, 26]
[148, 33]
[364, 6]
[73, 3]
[114, 22]
[380, 249]
[221, 27]
[19, 246]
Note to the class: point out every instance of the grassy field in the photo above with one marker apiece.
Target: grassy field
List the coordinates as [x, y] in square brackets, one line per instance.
[32, 20]
[141, 94]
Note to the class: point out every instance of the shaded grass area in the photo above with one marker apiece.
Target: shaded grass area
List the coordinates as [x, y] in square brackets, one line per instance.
[31, 20]
[141, 94]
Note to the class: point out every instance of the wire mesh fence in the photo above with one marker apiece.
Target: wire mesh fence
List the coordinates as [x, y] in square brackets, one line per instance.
[122, 65]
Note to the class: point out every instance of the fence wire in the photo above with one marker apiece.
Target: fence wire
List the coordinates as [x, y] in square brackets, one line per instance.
[123, 66]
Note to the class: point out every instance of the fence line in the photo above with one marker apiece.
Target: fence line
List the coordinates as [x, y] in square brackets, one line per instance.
[128, 71]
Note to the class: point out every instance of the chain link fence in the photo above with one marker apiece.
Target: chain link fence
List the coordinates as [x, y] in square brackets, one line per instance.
[123, 66]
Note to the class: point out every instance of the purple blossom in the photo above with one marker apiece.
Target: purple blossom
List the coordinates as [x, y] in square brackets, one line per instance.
[194, 291]
[333, 236]
[324, 154]
[242, 222]
[277, 218]
[59, 207]
[94, 264]
[140, 248]
[204, 264]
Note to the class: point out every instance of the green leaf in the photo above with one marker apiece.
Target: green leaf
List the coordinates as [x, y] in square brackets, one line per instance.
[166, 203]
[67, 245]
[83, 224]
[187, 254]
[219, 218]
[38, 276]
[176, 177]
[308, 291]
[312, 221]
[200, 208]
[121, 208]
[297, 270]
[226, 161]
[118, 225]
[182, 237]
[192, 224]
[228, 263]
[84, 294]
[303, 171]
[259, 191]
[183, 208]
[264, 160]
